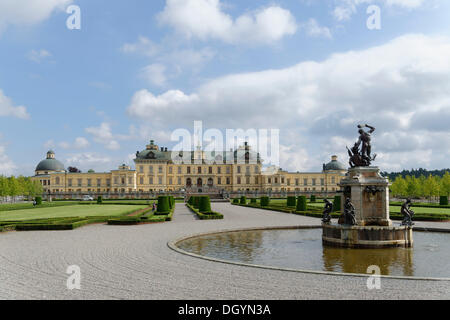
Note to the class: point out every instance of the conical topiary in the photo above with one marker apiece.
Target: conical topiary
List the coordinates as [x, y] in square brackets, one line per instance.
[196, 202]
[204, 204]
[337, 203]
[163, 205]
[243, 200]
[301, 203]
[290, 201]
[265, 201]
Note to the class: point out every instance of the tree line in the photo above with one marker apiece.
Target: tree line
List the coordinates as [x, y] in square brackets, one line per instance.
[415, 173]
[421, 186]
[19, 186]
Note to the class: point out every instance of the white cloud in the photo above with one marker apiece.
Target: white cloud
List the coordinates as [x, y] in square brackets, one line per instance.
[313, 29]
[8, 109]
[155, 74]
[392, 86]
[7, 166]
[39, 55]
[205, 19]
[28, 12]
[143, 46]
[79, 143]
[104, 136]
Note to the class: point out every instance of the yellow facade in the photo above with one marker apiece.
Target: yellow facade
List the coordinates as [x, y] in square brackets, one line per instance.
[158, 171]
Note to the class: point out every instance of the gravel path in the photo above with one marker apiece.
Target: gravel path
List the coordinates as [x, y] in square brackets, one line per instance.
[134, 262]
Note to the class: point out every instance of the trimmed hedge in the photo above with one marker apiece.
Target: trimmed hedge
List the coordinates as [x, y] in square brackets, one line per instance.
[38, 200]
[205, 216]
[301, 203]
[163, 205]
[99, 200]
[235, 201]
[290, 201]
[243, 200]
[253, 200]
[337, 203]
[443, 201]
[265, 201]
[204, 205]
[313, 198]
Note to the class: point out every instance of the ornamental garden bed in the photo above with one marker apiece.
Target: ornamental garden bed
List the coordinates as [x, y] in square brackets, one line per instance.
[201, 206]
[66, 217]
[425, 213]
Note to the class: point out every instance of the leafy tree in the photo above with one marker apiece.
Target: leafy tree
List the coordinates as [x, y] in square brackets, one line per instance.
[445, 184]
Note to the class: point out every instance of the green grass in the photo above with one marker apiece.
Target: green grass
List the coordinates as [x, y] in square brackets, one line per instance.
[315, 209]
[23, 206]
[68, 211]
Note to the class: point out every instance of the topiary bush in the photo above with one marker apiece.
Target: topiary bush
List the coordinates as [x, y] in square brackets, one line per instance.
[443, 201]
[235, 201]
[163, 205]
[99, 200]
[337, 203]
[204, 204]
[290, 201]
[171, 202]
[195, 202]
[313, 198]
[243, 200]
[265, 201]
[38, 200]
[301, 203]
[253, 200]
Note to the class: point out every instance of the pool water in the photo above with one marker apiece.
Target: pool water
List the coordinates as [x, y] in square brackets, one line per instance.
[303, 249]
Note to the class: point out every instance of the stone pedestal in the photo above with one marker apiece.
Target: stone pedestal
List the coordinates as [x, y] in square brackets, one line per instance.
[369, 193]
[366, 236]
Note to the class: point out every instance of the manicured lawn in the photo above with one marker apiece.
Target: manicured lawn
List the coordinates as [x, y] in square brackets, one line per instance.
[396, 209]
[69, 211]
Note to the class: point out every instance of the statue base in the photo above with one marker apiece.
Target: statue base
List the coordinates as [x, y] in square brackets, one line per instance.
[346, 236]
[368, 192]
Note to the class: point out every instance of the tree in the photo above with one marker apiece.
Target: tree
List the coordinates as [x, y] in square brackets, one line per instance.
[430, 187]
[445, 184]
[14, 188]
[4, 187]
[399, 187]
[73, 170]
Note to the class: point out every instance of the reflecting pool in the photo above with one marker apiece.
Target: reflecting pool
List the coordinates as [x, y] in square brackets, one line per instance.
[302, 249]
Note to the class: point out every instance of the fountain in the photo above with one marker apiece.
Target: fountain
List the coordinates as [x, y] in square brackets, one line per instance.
[365, 222]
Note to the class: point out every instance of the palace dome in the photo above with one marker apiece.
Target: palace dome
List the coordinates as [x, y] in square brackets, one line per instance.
[50, 164]
[335, 165]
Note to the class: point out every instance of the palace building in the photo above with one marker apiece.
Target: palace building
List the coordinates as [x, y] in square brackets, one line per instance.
[161, 170]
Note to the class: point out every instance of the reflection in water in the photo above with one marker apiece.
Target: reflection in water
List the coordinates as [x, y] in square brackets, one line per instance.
[302, 249]
[390, 261]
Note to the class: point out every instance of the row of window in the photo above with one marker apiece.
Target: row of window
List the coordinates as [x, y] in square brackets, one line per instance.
[199, 170]
[305, 181]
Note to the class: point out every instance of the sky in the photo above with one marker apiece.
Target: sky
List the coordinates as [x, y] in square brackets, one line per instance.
[136, 70]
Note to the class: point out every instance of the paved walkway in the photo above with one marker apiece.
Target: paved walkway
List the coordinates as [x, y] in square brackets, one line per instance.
[134, 262]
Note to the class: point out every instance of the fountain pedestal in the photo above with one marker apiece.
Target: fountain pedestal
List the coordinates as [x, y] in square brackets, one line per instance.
[368, 191]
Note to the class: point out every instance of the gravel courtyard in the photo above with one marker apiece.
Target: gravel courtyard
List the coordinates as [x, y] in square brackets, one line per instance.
[134, 262]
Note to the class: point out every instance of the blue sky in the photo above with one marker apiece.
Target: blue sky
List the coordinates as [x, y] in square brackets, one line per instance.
[139, 69]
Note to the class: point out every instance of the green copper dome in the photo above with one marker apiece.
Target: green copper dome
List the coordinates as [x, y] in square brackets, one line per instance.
[334, 164]
[50, 164]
